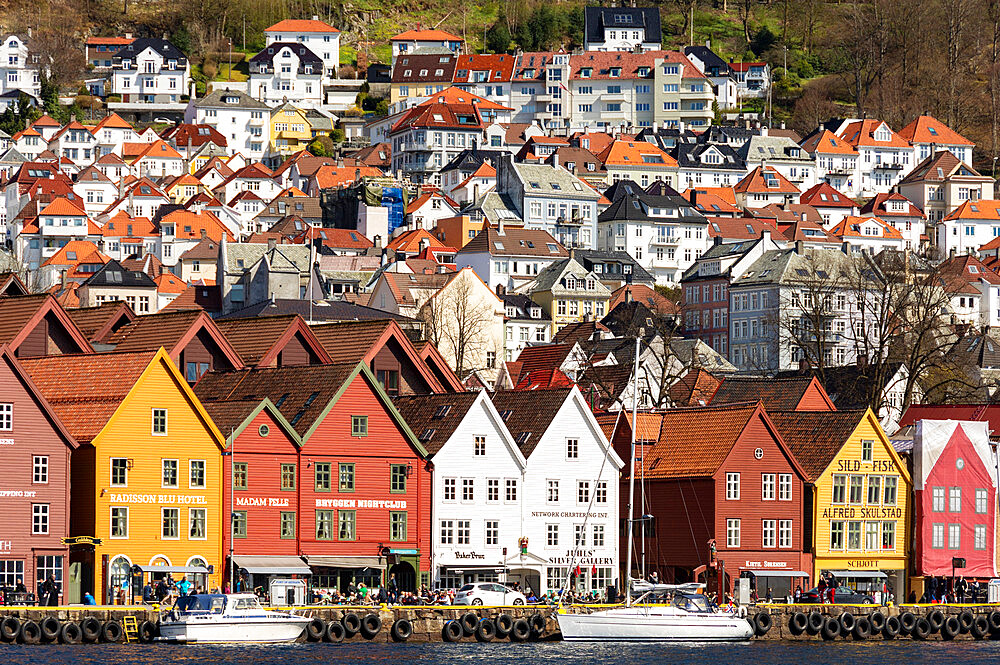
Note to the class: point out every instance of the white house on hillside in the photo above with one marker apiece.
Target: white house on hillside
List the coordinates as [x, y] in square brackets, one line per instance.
[319, 37]
[150, 71]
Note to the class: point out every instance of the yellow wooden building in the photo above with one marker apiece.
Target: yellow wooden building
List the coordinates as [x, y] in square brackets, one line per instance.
[860, 497]
[290, 130]
[146, 497]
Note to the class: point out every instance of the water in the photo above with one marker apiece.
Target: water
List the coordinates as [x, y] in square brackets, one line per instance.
[505, 653]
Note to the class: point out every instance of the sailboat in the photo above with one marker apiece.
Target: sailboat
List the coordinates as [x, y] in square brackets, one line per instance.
[687, 617]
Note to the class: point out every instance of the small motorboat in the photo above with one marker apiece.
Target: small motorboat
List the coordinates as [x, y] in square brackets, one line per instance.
[225, 618]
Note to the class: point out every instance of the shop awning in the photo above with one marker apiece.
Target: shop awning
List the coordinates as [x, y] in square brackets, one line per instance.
[346, 561]
[185, 570]
[272, 565]
[771, 572]
[860, 573]
[475, 566]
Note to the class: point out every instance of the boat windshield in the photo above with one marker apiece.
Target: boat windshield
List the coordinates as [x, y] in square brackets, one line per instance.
[213, 603]
[691, 603]
[245, 603]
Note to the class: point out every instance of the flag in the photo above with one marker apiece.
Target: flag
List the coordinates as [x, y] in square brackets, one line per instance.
[577, 571]
[593, 571]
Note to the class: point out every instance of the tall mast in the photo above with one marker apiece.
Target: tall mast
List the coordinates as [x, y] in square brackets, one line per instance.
[631, 479]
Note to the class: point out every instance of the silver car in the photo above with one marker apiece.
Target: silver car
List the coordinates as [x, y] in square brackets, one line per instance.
[488, 593]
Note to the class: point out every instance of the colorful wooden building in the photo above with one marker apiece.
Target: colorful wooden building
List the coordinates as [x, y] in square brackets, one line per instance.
[860, 494]
[355, 495]
[35, 482]
[146, 477]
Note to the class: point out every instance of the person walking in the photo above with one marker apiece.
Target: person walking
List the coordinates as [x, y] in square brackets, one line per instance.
[184, 586]
[821, 588]
[393, 589]
[50, 592]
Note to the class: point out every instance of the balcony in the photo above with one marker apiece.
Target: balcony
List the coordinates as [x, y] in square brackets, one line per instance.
[886, 166]
[671, 240]
[612, 96]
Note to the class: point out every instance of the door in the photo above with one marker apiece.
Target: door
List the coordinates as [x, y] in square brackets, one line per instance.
[74, 585]
[406, 577]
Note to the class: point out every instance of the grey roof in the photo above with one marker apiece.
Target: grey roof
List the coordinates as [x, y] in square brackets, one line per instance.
[279, 257]
[4, 135]
[638, 206]
[12, 156]
[773, 149]
[495, 207]
[552, 278]
[612, 263]
[787, 266]
[161, 46]
[472, 158]
[666, 138]
[263, 62]
[714, 65]
[566, 184]
[596, 19]
[113, 274]
[718, 251]
[239, 99]
[689, 155]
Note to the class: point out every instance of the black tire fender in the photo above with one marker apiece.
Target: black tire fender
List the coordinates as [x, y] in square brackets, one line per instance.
[797, 623]
[469, 621]
[30, 633]
[10, 628]
[503, 623]
[70, 633]
[921, 629]
[486, 630]
[891, 629]
[815, 624]
[966, 618]
[862, 629]
[370, 626]
[537, 624]
[452, 631]
[950, 628]
[335, 632]
[847, 623]
[50, 628]
[351, 623]
[907, 622]
[520, 631]
[877, 620]
[315, 629]
[831, 629]
[980, 627]
[936, 619]
[762, 623]
[401, 630]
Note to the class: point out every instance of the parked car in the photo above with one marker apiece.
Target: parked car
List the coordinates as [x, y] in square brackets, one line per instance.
[842, 596]
[488, 593]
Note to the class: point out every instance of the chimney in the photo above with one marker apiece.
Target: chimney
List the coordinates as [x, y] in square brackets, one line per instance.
[442, 269]
[763, 130]
[501, 289]
[475, 193]
[377, 240]
[271, 242]
[555, 159]
[800, 247]
[845, 247]
[765, 234]
[423, 244]
[694, 197]
[62, 279]
[315, 17]
[717, 240]
[803, 365]
[204, 234]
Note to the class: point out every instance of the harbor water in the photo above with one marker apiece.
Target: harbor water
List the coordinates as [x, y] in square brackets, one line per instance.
[551, 653]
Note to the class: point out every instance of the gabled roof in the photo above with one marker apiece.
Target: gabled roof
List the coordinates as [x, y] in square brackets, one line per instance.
[861, 133]
[542, 357]
[815, 438]
[63, 207]
[826, 142]
[19, 315]
[823, 195]
[434, 418]
[98, 323]
[11, 285]
[68, 382]
[173, 331]
[528, 413]
[636, 155]
[299, 25]
[941, 166]
[766, 180]
[981, 209]
[515, 241]
[113, 274]
[878, 205]
[259, 340]
[425, 36]
[695, 388]
[6, 355]
[854, 227]
[499, 68]
[928, 129]
[776, 394]
[305, 395]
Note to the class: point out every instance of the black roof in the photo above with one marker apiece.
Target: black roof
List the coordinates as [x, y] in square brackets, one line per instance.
[666, 138]
[471, 159]
[306, 57]
[596, 19]
[612, 263]
[713, 63]
[113, 274]
[688, 155]
[161, 46]
[636, 204]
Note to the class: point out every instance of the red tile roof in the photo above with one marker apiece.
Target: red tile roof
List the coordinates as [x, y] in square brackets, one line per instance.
[426, 36]
[500, 67]
[928, 129]
[755, 182]
[301, 25]
[826, 142]
[823, 195]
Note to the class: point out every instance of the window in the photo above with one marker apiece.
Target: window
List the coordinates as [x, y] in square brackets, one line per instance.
[552, 491]
[857, 487]
[463, 532]
[572, 448]
[889, 490]
[732, 486]
[160, 422]
[468, 489]
[288, 476]
[397, 526]
[839, 489]
[169, 477]
[39, 518]
[937, 536]
[11, 570]
[836, 535]
[954, 536]
[784, 533]
[6, 416]
[479, 446]
[170, 523]
[579, 535]
[322, 476]
[954, 499]
[40, 469]
[767, 486]
[889, 536]
[492, 490]
[324, 525]
[784, 487]
[346, 481]
[346, 521]
[511, 494]
[979, 540]
[854, 535]
[449, 489]
[119, 522]
[240, 475]
[359, 425]
[239, 524]
[871, 536]
[492, 530]
[601, 492]
[937, 503]
[769, 533]
[874, 490]
[732, 533]
[981, 500]
[552, 535]
[583, 491]
[196, 474]
[866, 450]
[397, 478]
[447, 532]
[197, 523]
[389, 378]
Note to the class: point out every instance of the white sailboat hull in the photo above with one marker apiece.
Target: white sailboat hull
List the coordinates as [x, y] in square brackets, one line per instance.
[640, 624]
[255, 630]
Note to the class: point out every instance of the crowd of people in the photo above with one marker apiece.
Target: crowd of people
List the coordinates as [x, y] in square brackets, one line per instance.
[956, 590]
[48, 593]
[166, 590]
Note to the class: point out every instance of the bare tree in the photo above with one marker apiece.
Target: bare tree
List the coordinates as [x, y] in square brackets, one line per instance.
[460, 323]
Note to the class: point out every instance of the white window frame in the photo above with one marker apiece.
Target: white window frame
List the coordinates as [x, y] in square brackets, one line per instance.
[733, 533]
[732, 486]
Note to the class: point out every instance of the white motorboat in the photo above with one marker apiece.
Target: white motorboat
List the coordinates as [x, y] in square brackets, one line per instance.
[687, 618]
[223, 618]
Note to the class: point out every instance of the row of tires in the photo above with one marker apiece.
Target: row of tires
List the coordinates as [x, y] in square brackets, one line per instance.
[486, 629]
[50, 629]
[350, 625]
[979, 626]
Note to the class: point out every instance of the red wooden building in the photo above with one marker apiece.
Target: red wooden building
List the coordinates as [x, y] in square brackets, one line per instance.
[35, 481]
[345, 480]
[725, 495]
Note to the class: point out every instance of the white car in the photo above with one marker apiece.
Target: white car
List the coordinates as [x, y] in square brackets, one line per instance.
[488, 593]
